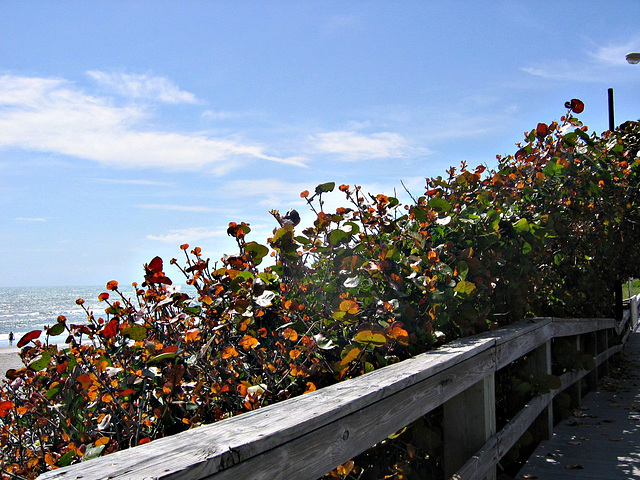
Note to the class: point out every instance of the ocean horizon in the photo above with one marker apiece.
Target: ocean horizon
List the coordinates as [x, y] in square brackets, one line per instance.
[23, 309]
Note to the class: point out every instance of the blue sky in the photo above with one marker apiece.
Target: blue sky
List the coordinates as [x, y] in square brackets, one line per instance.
[129, 128]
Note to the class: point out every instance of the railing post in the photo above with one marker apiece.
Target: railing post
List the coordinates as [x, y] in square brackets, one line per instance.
[469, 421]
[575, 391]
[540, 364]
[590, 346]
[633, 306]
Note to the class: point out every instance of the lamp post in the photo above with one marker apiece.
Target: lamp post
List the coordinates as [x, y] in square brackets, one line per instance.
[633, 57]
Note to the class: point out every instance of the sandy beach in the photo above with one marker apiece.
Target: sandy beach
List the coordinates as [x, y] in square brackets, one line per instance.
[9, 358]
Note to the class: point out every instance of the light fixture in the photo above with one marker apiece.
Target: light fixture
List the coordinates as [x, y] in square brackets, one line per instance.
[633, 57]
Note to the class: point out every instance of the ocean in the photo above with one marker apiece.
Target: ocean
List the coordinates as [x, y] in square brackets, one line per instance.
[23, 309]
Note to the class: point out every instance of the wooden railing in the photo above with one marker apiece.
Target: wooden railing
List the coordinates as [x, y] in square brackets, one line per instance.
[308, 436]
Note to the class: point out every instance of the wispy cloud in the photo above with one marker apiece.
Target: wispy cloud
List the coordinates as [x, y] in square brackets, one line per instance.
[186, 235]
[269, 192]
[614, 54]
[143, 87]
[150, 183]
[30, 219]
[593, 65]
[177, 208]
[353, 146]
[52, 115]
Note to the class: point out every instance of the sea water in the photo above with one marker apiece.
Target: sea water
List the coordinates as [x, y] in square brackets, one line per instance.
[23, 309]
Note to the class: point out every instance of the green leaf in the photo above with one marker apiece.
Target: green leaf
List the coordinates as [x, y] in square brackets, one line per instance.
[367, 337]
[325, 187]
[163, 356]
[57, 329]
[553, 382]
[53, 391]
[465, 287]
[135, 332]
[521, 226]
[195, 310]
[440, 205]
[92, 452]
[257, 251]
[338, 236]
[66, 459]
[41, 362]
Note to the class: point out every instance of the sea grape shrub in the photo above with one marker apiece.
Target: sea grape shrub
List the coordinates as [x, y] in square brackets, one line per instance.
[368, 285]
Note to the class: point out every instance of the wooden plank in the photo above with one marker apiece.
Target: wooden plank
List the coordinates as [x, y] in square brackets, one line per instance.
[497, 446]
[566, 327]
[539, 364]
[469, 421]
[522, 341]
[208, 449]
[327, 447]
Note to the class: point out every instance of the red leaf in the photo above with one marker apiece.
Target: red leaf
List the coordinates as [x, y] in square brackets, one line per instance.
[32, 335]
[111, 329]
[542, 130]
[5, 407]
[575, 105]
[156, 265]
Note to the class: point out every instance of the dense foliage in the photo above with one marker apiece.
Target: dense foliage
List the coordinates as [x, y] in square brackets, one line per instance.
[548, 231]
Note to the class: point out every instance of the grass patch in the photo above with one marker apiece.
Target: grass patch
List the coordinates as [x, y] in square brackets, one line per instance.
[635, 288]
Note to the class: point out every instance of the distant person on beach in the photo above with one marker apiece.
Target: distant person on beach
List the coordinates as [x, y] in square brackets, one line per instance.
[10, 338]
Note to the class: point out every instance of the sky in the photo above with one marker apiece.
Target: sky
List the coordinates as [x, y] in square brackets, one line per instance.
[130, 128]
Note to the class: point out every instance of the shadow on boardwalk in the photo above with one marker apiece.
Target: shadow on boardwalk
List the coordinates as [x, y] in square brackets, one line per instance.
[602, 439]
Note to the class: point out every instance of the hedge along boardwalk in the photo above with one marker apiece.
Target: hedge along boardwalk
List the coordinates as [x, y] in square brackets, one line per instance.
[307, 436]
[602, 439]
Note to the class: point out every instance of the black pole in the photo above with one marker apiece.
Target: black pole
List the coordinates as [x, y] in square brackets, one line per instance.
[619, 309]
[612, 124]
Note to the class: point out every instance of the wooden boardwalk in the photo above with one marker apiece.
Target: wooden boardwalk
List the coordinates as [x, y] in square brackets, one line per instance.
[602, 439]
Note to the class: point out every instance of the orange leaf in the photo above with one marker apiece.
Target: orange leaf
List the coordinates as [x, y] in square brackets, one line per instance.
[84, 380]
[248, 342]
[144, 440]
[229, 352]
[102, 441]
[192, 335]
[5, 407]
[350, 356]
[349, 306]
[311, 387]
[290, 334]
[295, 353]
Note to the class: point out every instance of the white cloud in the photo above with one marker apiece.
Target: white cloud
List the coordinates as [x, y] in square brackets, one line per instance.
[271, 193]
[177, 208]
[595, 65]
[355, 146]
[143, 87]
[613, 54]
[150, 183]
[186, 235]
[51, 115]
[25, 219]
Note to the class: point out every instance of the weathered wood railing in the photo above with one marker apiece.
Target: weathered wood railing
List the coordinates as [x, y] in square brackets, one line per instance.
[307, 436]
